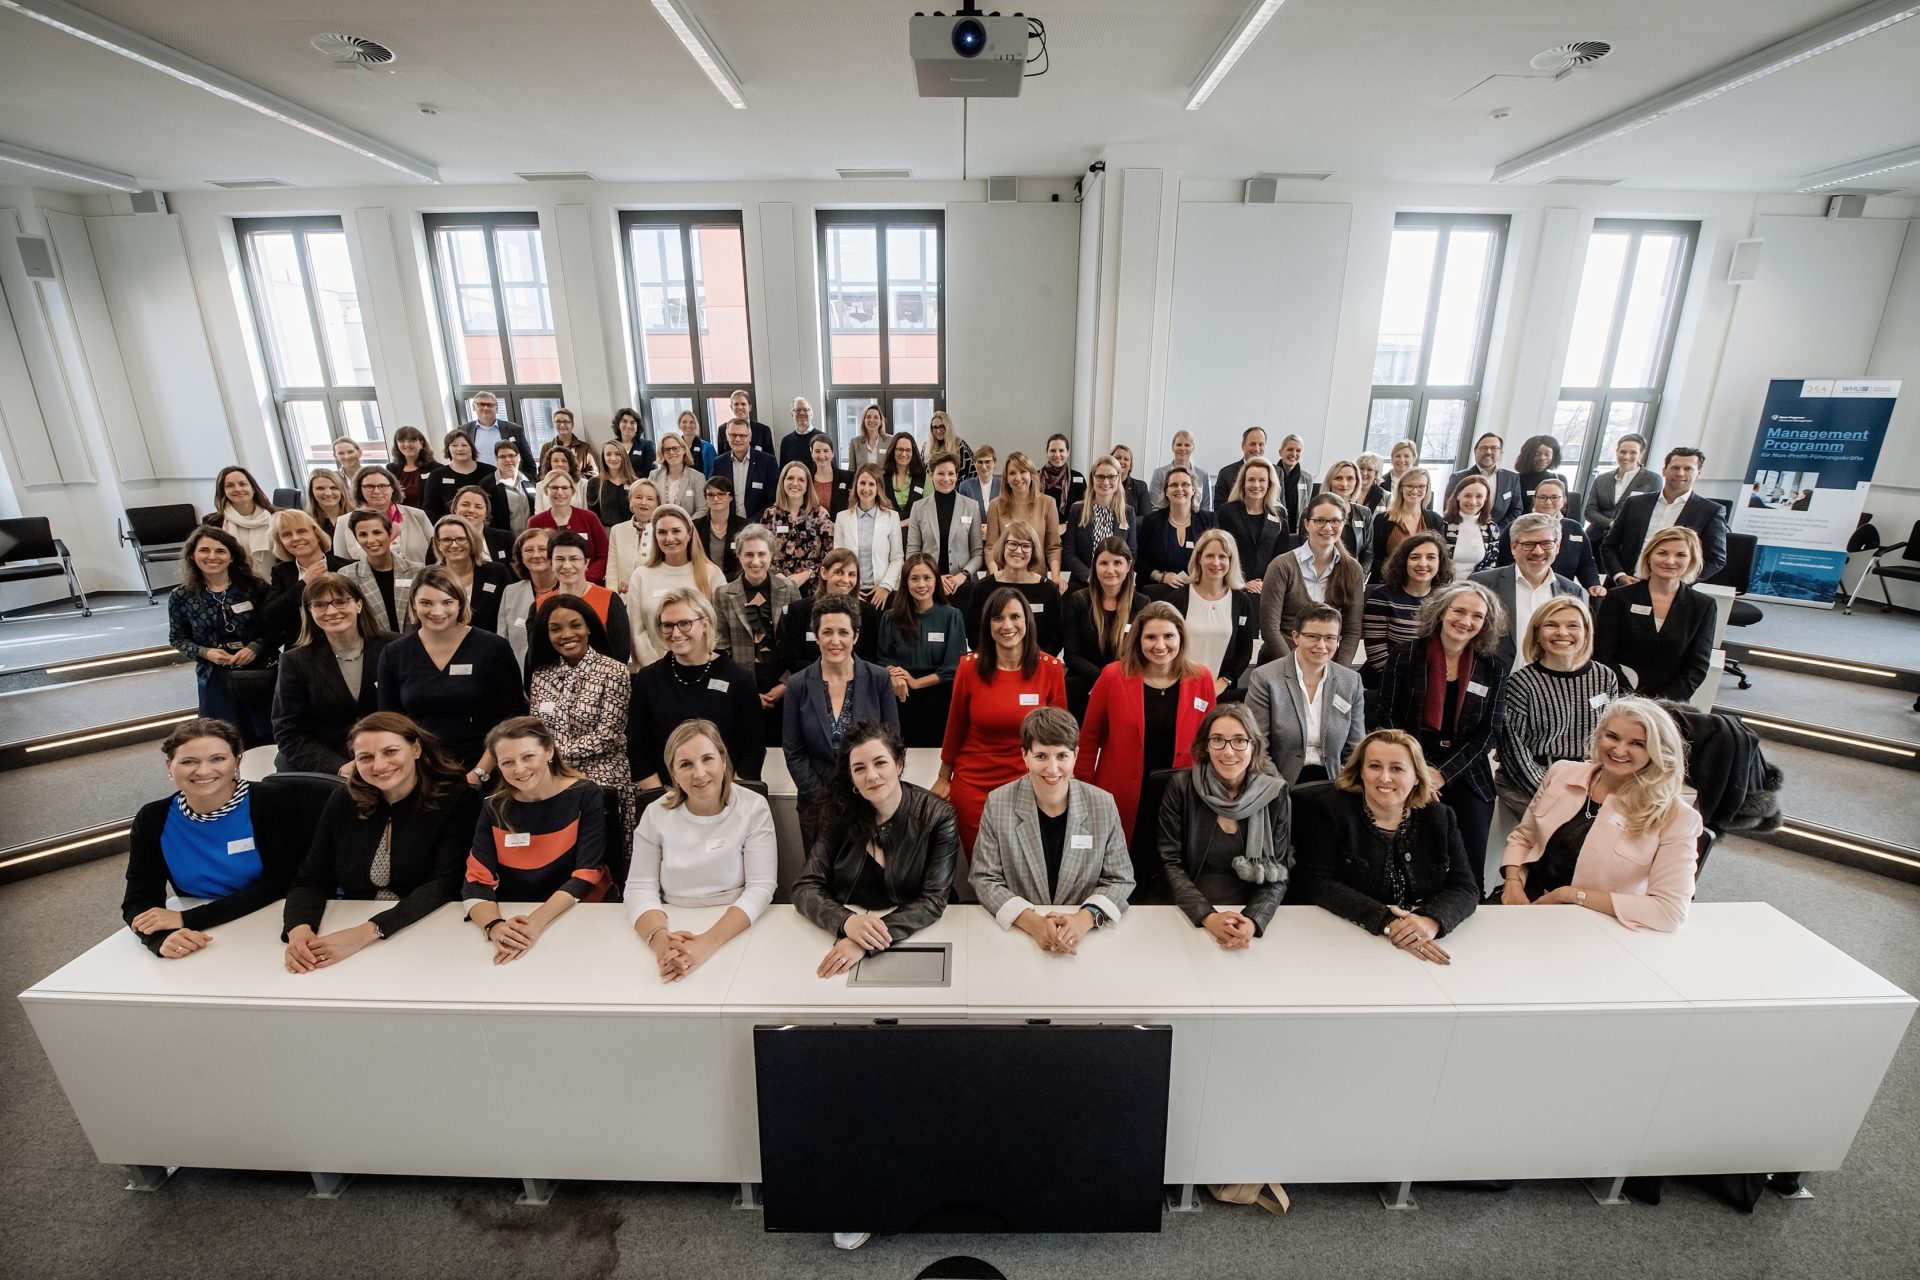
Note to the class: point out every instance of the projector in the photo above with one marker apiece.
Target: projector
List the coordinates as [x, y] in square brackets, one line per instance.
[968, 55]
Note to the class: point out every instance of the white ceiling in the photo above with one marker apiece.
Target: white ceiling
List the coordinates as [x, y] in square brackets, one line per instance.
[1355, 87]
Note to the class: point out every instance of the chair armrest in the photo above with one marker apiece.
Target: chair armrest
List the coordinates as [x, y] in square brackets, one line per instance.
[1887, 550]
[126, 535]
[60, 549]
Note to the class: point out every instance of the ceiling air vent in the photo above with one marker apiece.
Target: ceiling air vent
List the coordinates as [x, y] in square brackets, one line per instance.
[862, 175]
[575, 175]
[1565, 57]
[352, 50]
[247, 184]
[1582, 182]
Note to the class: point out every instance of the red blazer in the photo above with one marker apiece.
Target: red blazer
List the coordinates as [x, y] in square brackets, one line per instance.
[1113, 738]
[588, 526]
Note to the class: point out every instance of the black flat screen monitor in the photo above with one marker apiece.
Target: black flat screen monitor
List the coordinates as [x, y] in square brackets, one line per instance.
[958, 1124]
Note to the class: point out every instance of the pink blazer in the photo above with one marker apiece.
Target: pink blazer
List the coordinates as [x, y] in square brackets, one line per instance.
[1649, 875]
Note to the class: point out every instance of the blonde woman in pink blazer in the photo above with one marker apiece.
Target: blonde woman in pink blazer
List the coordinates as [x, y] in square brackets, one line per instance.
[1612, 833]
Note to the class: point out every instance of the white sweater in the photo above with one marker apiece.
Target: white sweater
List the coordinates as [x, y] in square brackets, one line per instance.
[644, 592]
[681, 860]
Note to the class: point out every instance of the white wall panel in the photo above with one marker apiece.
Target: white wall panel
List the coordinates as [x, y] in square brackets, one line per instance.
[97, 363]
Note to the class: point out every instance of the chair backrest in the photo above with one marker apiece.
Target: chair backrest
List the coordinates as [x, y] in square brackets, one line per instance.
[26, 538]
[1912, 550]
[1738, 570]
[306, 793]
[284, 499]
[159, 526]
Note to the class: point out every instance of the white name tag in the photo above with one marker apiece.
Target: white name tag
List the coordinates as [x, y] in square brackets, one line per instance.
[719, 686]
[1597, 701]
[403, 582]
[936, 637]
[810, 639]
[1039, 608]
[1126, 628]
[1341, 705]
[966, 519]
[243, 845]
[1505, 494]
[519, 622]
[1200, 705]
[241, 606]
[757, 484]
[1615, 820]
[519, 839]
[1083, 842]
[547, 708]
[1243, 622]
[489, 587]
[1474, 686]
[1029, 699]
[1641, 608]
[460, 669]
[1576, 537]
[1274, 519]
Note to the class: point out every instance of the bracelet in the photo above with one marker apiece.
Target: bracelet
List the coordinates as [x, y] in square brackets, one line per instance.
[487, 928]
[648, 940]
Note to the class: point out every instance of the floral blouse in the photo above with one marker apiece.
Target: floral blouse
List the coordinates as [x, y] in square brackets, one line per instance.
[800, 542]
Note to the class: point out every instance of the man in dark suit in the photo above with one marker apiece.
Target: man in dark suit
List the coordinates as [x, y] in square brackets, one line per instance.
[1253, 444]
[751, 470]
[1505, 506]
[1529, 582]
[1675, 504]
[762, 434]
[797, 444]
[1576, 559]
[488, 429]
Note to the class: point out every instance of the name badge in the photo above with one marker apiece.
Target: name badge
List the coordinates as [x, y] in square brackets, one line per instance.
[1576, 537]
[1200, 705]
[966, 520]
[1505, 494]
[810, 639]
[1039, 608]
[489, 587]
[1597, 701]
[1243, 622]
[936, 637]
[241, 606]
[460, 669]
[1273, 519]
[243, 845]
[1126, 628]
[547, 707]
[1615, 820]
[719, 686]
[403, 582]
[1029, 699]
[1083, 842]
[520, 622]
[1475, 687]
[757, 484]
[1641, 608]
[1341, 705]
[519, 839]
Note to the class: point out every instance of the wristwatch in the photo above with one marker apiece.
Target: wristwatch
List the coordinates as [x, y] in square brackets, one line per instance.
[1579, 897]
[1099, 916]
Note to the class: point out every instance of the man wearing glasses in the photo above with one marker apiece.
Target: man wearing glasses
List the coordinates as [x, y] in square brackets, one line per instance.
[1311, 709]
[1576, 559]
[1529, 581]
[488, 429]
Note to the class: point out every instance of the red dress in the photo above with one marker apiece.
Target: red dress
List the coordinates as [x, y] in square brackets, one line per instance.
[588, 526]
[983, 732]
[1113, 739]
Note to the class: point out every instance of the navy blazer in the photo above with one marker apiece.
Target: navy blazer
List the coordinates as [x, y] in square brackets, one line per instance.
[1576, 559]
[761, 475]
[806, 713]
[1671, 662]
[1621, 551]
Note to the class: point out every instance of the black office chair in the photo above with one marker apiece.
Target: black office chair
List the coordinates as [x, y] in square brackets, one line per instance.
[1738, 574]
[1907, 569]
[28, 550]
[1149, 873]
[156, 535]
[306, 793]
[287, 499]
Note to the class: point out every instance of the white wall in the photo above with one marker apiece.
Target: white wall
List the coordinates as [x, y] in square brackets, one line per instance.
[1895, 498]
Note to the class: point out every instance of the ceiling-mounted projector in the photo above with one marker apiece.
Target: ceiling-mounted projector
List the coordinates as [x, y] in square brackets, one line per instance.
[969, 54]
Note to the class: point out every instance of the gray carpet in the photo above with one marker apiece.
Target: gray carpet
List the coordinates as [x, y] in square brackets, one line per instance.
[1878, 711]
[61, 1214]
[1853, 795]
[1867, 635]
[69, 708]
[57, 634]
[72, 795]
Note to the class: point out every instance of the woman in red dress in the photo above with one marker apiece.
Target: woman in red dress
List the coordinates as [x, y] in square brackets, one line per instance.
[992, 694]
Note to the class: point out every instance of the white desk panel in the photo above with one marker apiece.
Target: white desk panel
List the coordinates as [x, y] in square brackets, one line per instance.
[1749, 952]
[1543, 958]
[1312, 959]
[590, 958]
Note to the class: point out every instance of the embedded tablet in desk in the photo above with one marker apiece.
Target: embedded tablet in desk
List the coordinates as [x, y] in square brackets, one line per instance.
[923, 964]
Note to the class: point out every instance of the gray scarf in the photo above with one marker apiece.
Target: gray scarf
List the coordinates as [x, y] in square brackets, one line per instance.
[1261, 863]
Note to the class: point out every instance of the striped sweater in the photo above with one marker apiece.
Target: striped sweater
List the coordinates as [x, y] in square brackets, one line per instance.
[1551, 715]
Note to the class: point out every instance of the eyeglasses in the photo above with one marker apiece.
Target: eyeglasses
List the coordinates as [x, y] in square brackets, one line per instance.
[327, 606]
[1237, 743]
[676, 628]
[1019, 546]
[1106, 475]
[454, 540]
[1536, 544]
[1318, 638]
[1325, 522]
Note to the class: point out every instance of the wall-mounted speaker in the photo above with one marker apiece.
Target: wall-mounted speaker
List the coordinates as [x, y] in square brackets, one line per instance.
[149, 202]
[1846, 206]
[1003, 190]
[36, 255]
[1262, 191]
[1746, 261]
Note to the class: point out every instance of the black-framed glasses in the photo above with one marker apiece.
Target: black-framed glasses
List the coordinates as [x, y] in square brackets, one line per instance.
[1239, 742]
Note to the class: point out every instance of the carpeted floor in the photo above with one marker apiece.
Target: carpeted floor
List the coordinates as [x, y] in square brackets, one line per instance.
[61, 1214]
[1865, 635]
[55, 633]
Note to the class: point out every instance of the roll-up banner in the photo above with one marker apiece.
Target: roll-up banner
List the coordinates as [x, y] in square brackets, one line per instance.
[1813, 458]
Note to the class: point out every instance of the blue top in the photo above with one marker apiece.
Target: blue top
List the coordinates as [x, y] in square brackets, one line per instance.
[211, 856]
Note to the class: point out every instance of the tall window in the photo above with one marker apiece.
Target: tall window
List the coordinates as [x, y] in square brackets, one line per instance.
[689, 310]
[1622, 339]
[883, 318]
[490, 276]
[307, 311]
[1443, 274]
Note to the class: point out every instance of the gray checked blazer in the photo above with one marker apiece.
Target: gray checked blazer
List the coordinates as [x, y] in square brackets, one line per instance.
[405, 571]
[730, 605]
[965, 536]
[1279, 712]
[1010, 867]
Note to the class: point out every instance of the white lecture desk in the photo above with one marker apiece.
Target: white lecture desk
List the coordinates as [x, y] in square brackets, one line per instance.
[1319, 1054]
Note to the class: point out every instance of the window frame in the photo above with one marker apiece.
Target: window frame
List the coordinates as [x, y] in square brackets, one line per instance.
[701, 392]
[1603, 396]
[333, 397]
[885, 391]
[1420, 392]
[511, 392]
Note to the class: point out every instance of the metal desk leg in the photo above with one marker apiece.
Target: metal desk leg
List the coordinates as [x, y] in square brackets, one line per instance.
[749, 1197]
[537, 1192]
[149, 1177]
[1185, 1202]
[1397, 1196]
[329, 1186]
[1606, 1190]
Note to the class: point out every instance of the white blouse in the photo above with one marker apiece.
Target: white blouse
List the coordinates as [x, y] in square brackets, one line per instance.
[1209, 629]
[682, 860]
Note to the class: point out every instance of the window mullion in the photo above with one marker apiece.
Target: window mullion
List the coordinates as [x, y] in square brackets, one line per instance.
[699, 366]
[313, 307]
[503, 324]
[883, 306]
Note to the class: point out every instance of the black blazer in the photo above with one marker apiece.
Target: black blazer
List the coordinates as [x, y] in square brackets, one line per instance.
[761, 477]
[428, 850]
[1671, 662]
[1576, 559]
[1337, 863]
[1258, 538]
[280, 611]
[439, 485]
[805, 713]
[280, 836]
[729, 561]
[922, 848]
[500, 514]
[1357, 535]
[1246, 625]
[1085, 659]
[1135, 490]
[1077, 545]
[486, 604]
[1160, 551]
[312, 709]
[1620, 553]
[1184, 819]
[1462, 758]
[1382, 527]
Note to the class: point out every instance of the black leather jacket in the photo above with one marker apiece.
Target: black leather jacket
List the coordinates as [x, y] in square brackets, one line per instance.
[922, 847]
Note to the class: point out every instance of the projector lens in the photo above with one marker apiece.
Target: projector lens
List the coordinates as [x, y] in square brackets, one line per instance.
[969, 37]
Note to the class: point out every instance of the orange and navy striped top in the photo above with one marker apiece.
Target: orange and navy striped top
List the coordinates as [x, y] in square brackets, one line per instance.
[556, 844]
